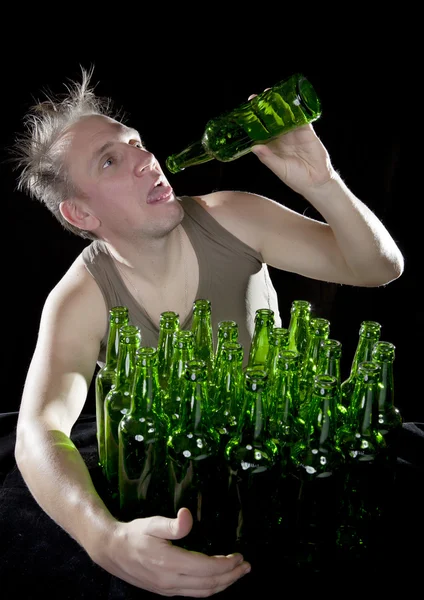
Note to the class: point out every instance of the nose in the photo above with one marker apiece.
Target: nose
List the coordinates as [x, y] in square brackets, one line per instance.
[145, 162]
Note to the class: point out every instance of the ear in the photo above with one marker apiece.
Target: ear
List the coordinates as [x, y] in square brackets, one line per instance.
[77, 214]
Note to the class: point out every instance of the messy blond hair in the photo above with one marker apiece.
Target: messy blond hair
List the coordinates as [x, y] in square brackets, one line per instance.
[38, 156]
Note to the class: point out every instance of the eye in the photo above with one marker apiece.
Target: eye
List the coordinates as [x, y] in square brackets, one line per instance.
[107, 163]
[138, 145]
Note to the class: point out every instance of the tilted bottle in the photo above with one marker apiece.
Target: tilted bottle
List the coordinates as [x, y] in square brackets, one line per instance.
[142, 436]
[289, 104]
[105, 378]
[118, 400]
[196, 477]
[260, 344]
[369, 334]
[169, 323]
[300, 316]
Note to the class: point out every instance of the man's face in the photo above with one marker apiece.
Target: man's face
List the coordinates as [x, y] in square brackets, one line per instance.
[124, 186]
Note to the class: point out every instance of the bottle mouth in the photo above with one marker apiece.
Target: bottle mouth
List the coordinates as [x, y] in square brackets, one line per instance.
[308, 97]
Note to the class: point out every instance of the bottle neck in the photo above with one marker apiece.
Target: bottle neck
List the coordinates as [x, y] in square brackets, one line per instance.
[112, 349]
[194, 154]
[253, 424]
[146, 388]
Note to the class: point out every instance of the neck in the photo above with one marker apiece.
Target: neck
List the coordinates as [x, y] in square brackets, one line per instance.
[152, 259]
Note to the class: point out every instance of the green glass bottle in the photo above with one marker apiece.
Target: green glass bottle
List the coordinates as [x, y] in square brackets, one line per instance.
[228, 392]
[196, 477]
[390, 421]
[318, 461]
[279, 340]
[363, 447]
[289, 104]
[260, 345]
[105, 378]
[118, 401]
[142, 436]
[284, 425]
[369, 334]
[201, 327]
[228, 331]
[300, 316]
[252, 458]
[169, 323]
[329, 363]
[182, 352]
[319, 329]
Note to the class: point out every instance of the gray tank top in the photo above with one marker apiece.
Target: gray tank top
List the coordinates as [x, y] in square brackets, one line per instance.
[231, 275]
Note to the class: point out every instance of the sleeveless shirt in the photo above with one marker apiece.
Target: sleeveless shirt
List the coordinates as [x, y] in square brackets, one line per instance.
[232, 276]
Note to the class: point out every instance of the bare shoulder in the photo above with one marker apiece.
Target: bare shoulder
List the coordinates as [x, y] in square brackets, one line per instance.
[76, 304]
[244, 214]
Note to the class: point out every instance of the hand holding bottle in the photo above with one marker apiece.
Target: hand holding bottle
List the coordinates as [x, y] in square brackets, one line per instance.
[298, 158]
[141, 553]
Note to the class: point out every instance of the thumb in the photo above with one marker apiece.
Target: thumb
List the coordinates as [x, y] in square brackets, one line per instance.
[170, 529]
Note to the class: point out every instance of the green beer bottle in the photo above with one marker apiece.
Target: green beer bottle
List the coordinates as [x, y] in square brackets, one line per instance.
[196, 477]
[142, 437]
[169, 322]
[260, 345]
[227, 332]
[228, 392]
[389, 422]
[319, 329]
[118, 400]
[363, 447]
[329, 363]
[181, 353]
[252, 458]
[279, 340]
[300, 316]
[289, 104]
[203, 335]
[318, 462]
[369, 334]
[105, 378]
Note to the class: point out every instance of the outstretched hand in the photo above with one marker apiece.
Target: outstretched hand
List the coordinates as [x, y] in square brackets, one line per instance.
[141, 553]
[298, 158]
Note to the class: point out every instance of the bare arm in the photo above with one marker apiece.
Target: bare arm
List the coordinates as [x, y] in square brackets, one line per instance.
[72, 324]
[351, 247]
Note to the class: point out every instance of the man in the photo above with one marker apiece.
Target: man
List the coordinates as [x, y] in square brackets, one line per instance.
[155, 252]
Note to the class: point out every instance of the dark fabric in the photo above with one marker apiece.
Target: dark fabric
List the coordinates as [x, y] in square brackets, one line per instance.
[38, 559]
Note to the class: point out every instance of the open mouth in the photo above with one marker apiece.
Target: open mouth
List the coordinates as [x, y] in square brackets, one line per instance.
[160, 192]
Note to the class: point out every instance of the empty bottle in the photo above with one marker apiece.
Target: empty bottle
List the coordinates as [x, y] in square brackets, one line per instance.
[289, 104]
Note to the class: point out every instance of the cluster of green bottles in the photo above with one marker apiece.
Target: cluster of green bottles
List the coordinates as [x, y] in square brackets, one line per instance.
[277, 451]
[289, 104]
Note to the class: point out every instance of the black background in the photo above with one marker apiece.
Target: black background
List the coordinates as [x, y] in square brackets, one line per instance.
[169, 84]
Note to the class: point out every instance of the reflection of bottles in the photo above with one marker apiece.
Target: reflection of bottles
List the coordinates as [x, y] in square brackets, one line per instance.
[105, 378]
[118, 400]
[142, 435]
[196, 477]
[289, 104]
